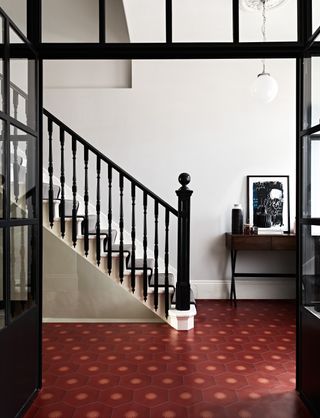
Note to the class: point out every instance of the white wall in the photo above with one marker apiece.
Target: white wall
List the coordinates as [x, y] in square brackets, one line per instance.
[199, 117]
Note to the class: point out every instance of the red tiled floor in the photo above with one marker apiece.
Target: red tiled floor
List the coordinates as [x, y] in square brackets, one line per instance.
[236, 363]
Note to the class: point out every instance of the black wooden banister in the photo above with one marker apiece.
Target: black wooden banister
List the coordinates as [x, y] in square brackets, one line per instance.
[182, 214]
[114, 166]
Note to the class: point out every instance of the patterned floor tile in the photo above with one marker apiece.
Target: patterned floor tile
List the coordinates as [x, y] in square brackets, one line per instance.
[236, 363]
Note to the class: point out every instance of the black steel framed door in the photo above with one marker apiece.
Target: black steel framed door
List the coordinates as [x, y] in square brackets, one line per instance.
[20, 222]
[308, 217]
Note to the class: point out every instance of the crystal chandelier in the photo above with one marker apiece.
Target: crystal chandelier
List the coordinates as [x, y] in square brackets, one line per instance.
[265, 88]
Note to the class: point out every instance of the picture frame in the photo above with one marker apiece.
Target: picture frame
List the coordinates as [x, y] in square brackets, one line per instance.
[270, 193]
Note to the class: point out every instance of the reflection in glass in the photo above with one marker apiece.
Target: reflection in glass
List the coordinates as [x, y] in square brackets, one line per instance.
[22, 268]
[1, 30]
[23, 174]
[2, 168]
[311, 176]
[23, 91]
[1, 86]
[311, 267]
[2, 318]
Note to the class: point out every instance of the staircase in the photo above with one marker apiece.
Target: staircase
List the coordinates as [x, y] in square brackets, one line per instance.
[142, 267]
[118, 254]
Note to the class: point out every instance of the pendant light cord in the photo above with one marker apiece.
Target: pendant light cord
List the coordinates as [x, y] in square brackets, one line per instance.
[264, 32]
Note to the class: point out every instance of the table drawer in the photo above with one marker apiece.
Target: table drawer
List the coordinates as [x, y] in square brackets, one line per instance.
[252, 243]
[284, 243]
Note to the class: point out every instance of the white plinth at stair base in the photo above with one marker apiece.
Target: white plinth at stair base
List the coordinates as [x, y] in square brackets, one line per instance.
[182, 320]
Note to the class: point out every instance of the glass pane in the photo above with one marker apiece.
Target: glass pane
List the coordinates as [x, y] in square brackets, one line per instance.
[311, 176]
[70, 21]
[1, 85]
[145, 21]
[14, 37]
[2, 283]
[251, 21]
[1, 30]
[22, 268]
[315, 91]
[315, 15]
[23, 174]
[311, 267]
[202, 21]
[311, 87]
[23, 91]
[17, 11]
[2, 168]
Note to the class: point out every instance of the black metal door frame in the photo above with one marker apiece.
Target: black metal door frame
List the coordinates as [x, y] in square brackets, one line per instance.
[305, 46]
[20, 338]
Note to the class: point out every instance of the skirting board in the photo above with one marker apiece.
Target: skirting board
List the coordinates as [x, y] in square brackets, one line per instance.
[246, 289]
[102, 320]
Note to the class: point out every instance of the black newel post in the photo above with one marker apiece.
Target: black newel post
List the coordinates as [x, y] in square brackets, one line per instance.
[183, 279]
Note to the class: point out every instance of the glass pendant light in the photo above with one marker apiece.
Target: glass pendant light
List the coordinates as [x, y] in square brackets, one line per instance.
[265, 87]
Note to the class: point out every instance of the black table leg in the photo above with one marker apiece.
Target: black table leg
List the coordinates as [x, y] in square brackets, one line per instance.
[233, 296]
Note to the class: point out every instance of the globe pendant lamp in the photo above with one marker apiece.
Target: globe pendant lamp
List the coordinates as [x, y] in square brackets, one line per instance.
[265, 87]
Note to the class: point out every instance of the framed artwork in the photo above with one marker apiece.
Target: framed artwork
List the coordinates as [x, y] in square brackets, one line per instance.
[270, 195]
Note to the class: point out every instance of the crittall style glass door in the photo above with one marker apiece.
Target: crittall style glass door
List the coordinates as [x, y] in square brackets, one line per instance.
[308, 209]
[20, 231]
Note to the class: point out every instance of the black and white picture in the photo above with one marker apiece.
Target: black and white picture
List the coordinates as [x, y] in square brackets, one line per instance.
[268, 202]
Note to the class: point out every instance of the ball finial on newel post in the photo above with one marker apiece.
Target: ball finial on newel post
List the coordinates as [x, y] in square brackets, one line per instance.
[184, 179]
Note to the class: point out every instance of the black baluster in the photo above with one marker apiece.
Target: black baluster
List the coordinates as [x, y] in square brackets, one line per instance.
[110, 219]
[121, 226]
[16, 166]
[62, 183]
[133, 239]
[74, 192]
[145, 245]
[86, 202]
[50, 171]
[98, 242]
[166, 262]
[156, 252]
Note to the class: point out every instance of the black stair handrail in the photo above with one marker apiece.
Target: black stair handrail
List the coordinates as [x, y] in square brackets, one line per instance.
[111, 163]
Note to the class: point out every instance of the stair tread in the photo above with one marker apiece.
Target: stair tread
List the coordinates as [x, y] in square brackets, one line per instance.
[161, 280]
[126, 248]
[192, 298]
[139, 263]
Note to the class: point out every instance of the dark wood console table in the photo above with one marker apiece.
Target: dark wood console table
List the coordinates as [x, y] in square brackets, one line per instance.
[237, 243]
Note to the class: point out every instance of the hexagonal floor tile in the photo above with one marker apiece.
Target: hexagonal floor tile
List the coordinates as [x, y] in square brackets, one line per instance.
[116, 396]
[81, 396]
[93, 410]
[231, 380]
[151, 396]
[131, 410]
[219, 396]
[167, 380]
[185, 395]
[135, 381]
[168, 410]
